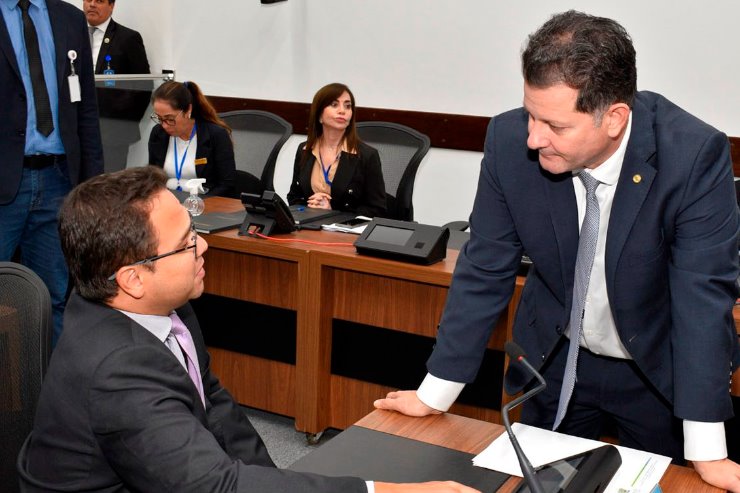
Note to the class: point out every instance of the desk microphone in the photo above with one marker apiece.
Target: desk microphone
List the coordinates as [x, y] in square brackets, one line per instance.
[516, 353]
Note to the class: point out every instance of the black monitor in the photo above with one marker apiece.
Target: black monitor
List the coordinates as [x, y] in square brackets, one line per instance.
[404, 241]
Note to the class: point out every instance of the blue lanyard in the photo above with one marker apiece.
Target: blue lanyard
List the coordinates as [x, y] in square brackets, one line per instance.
[178, 167]
[324, 169]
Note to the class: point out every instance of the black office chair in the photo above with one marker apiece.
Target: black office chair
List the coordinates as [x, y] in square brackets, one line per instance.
[401, 150]
[258, 137]
[25, 347]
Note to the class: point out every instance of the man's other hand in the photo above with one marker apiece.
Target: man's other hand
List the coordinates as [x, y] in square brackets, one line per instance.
[405, 402]
[722, 473]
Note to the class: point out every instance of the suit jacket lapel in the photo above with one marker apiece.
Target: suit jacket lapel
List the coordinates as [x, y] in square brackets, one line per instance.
[561, 201]
[7, 47]
[204, 147]
[634, 183]
[59, 28]
[345, 171]
[105, 47]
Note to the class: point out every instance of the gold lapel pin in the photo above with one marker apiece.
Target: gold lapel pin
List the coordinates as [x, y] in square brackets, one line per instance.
[637, 178]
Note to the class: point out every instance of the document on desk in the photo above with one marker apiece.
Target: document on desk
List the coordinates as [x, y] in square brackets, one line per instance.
[354, 226]
[639, 473]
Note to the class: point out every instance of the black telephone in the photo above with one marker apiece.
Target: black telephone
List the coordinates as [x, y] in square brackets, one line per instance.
[266, 214]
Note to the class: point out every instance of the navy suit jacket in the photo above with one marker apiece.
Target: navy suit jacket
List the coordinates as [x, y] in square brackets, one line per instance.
[118, 412]
[214, 146]
[671, 258]
[126, 50]
[78, 122]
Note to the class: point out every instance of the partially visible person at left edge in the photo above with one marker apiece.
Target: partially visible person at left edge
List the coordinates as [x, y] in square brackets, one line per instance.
[109, 38]
[190, 140]
[49, 134]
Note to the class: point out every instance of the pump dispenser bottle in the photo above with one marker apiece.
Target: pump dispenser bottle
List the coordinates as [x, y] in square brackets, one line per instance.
[194, 204]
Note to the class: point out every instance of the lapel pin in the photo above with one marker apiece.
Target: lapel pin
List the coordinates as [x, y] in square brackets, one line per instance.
[106, 40]
[637, 178]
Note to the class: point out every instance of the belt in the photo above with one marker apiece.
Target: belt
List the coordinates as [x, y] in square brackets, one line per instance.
[40, 161]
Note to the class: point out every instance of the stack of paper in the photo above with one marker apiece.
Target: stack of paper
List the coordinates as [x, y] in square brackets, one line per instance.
[639, 473]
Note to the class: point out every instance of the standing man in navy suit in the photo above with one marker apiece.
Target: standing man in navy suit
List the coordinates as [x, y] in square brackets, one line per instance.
[655, 341]
[49, 134]
[109, 38]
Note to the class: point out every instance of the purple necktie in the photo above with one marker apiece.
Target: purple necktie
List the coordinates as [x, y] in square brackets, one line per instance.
[185, 340]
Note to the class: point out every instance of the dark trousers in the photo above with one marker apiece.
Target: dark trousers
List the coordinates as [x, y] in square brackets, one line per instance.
[609, 393]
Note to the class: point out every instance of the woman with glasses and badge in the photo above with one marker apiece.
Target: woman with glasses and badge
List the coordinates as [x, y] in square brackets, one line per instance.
[190, 140]
[333, 168]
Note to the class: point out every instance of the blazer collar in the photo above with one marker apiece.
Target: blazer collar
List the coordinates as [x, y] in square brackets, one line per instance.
[109, 34]
[635, 180]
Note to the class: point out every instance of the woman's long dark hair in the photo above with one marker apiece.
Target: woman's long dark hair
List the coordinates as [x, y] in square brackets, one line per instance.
[180, 95]
[323, 98]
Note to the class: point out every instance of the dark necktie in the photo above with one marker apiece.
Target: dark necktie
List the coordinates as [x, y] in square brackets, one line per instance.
[584, 262]
[44, 122]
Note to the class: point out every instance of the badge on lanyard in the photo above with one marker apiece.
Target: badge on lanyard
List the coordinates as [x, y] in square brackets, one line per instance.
[75, 94]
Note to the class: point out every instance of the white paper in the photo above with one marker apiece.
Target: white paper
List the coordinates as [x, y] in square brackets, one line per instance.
[344, 228]
[640, 471]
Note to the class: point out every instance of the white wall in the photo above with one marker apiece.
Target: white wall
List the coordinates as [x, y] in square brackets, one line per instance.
[452, 56]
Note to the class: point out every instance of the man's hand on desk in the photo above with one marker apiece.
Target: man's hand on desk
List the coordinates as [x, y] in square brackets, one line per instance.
[722, 473]
[405, 402]
[431, 487]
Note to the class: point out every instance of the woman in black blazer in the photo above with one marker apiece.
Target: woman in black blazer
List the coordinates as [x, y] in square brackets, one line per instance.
[333, 169]
[190, 140]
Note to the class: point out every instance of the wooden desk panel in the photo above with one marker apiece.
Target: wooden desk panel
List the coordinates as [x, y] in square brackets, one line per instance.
[473, 436]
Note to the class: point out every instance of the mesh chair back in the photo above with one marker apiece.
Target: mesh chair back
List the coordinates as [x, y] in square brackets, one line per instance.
[401, 150]
[258, 137]
[25, 346]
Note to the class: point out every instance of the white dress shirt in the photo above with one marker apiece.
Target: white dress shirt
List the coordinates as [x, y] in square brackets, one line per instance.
[702, 441]
[97, 39]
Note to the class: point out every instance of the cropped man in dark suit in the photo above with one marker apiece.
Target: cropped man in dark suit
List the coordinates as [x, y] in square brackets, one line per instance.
[124, 46]
[122, 103]
[654, 340]
[49, 136]
[129, 402]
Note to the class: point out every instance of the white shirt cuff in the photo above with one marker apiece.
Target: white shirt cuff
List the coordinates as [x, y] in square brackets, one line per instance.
[437, 393]
[370, 486]
[704, 441]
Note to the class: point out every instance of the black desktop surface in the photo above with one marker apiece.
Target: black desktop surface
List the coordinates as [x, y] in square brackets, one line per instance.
[377, 456]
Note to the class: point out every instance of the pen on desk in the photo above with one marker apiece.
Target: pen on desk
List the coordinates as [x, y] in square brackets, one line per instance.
[641, 471]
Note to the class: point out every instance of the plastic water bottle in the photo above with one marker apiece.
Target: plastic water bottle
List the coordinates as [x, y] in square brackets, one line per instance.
[108, 71]
[194, 204]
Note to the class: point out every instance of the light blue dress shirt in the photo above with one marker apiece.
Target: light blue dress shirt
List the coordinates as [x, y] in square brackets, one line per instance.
[36, 143]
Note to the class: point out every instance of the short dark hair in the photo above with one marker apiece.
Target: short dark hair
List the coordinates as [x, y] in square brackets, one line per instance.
[104, 225]
[593, 55]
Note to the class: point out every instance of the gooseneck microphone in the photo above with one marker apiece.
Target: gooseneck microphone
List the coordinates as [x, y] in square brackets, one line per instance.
[517, 354]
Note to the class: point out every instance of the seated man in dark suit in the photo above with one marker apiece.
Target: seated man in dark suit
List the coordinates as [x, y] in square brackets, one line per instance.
[129, 402]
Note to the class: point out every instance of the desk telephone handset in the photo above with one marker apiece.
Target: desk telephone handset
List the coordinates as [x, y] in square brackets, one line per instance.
[266, 214]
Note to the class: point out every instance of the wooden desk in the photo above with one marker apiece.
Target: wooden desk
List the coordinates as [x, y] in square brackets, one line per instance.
[473, 436]
[322, 283]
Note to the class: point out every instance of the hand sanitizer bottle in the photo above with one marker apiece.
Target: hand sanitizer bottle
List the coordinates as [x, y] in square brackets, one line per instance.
[108, 71]
[194, 204]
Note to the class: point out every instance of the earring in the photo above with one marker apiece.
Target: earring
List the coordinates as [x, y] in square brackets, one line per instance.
[321, 121]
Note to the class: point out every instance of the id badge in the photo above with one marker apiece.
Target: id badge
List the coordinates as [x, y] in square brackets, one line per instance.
[74, 89]
[75, 95]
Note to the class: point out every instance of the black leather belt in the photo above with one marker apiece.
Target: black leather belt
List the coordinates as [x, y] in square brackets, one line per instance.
[40, 161]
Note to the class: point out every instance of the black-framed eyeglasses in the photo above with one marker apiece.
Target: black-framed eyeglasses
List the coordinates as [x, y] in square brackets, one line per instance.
[169, 120]
[148, 260]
